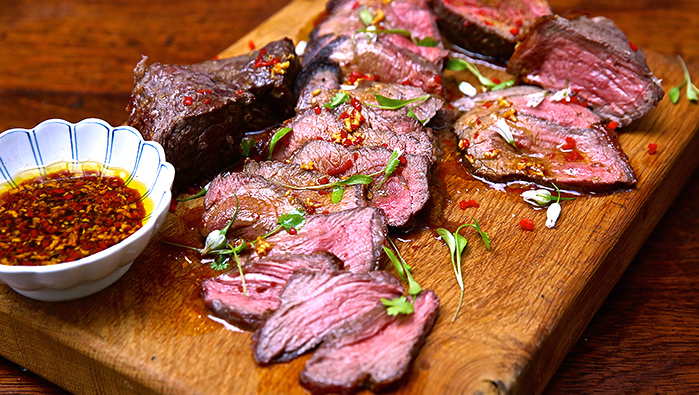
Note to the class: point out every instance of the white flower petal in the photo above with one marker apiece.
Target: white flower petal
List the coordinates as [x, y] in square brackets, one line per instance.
[552, 214]
[467, 89]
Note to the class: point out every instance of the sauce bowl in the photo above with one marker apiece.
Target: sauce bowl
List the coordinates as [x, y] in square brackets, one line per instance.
[90, 140]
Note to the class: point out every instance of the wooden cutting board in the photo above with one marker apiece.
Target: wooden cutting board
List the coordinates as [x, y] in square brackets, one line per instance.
[526, 301]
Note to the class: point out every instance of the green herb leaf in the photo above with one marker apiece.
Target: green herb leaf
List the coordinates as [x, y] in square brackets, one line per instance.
[246, 144]
[391, 166]
[456, 244]
[387, 103]
[374, 30]
[675, 94]
[484, 236]
[457, 64]
[337, 194]
[198, 195]
[399, 305]
[427, 42]
[366, 16]
[691, 93]
[503, 85]
[396, 263]
[295, 219]
[275, 139]
[220, 263]
[339, 98]
[354, 180]
[411, 114]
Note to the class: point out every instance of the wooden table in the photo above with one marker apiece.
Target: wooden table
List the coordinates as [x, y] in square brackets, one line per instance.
[73, 59]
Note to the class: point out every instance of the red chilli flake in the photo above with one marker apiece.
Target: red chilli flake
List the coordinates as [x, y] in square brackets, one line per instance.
[292, 231]
[206, 101]
[514, 31]
[569, 144]
[317, 110]
[188, 101]
[519, 23]
[613, 125]
[652, 148]
[633, 46]
[251, 45]
[340, 169]
[572, 156]
[466, 204]
[526, 224]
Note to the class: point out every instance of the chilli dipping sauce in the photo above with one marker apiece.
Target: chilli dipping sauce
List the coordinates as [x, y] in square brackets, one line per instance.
[67, 214]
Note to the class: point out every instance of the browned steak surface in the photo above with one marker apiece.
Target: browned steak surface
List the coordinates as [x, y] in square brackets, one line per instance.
[485, 27]
[315, 304]
[592, 58]
[373, 351]
[264, 280]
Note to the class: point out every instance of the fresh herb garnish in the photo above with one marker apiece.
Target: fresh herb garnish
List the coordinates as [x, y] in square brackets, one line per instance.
[542, 198]
[294, 219]
[457, 64]
[197, 195]
[275, 139]
[403, 269]
[370, 29]
[339, 98]
[337, 193]
[456, 244]
[357, 179]
[484, 236]
[366, 16]
[246, 145]
[399, 305]
[387, 103]
[692, 90]
[427, 42]
[216, 239]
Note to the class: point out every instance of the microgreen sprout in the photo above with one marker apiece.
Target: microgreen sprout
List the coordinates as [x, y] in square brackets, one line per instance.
[503, 129]
[458, 64]
[387, 103]
[339, 98]
[404, 270]
[692, 90]
[543, 198]
[197, 195]
[275, 139]
[399, 305]
[456, 244]
[246, 145]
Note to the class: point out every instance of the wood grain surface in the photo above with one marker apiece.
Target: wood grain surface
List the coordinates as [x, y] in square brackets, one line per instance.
[528, 300]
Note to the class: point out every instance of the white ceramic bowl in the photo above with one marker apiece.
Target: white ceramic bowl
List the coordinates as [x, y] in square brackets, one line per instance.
[91, 140]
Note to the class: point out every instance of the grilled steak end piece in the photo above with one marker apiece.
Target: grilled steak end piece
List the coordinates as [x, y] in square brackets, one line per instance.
[195, 130]
[594, 59]
[264, 279]
[374, 351]
[314, 304]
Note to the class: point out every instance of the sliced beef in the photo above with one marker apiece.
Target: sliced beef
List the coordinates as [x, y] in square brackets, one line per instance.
[417, 19]
[261, 198]
[587, 159]
[356, 123]
[314, 201]
[355, 236]
[377, 55]
[531, 100]
[314, 304]
[200, 133]
[264, 280]
[403, 194]
[486, 27]
[260, 203]
[268, 73]
[373, 351]
[594, 60]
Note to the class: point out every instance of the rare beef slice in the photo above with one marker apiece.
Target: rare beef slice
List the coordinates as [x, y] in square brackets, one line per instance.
[265, 278]
[593, 59]
[372, 351]
[314, 304]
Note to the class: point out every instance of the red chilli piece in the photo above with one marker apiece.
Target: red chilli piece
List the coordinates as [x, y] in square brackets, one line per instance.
[514, 31]
[292, 231]
[251, 45]
[569, 144]
[466, 204]
[572, 156]
[612, 125]
[652, 148]
[496, 80]
[526, 224]
[633, 46]
[188, 101]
